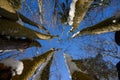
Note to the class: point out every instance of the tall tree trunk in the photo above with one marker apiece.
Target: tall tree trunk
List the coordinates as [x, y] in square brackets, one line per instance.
[108, 25]
[81, 7]
[30, 66]
[14, 29]
[75, 72]
[44, 72]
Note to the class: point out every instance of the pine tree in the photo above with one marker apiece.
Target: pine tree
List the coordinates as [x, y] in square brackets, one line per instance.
[30, 66]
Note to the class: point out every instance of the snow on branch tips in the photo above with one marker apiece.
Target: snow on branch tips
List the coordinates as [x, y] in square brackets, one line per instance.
[71, 66]
[107, 25]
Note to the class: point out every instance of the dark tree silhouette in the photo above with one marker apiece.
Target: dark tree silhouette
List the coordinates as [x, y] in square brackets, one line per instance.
[117, 37]
[15, 32]
[5, 72]
[118, 69]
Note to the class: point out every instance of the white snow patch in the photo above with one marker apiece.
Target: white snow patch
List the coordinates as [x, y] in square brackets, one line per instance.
[114, 21]
[40, 70]
[71, 29]
[5, 50]
[100, 4]
[70, 65]
[71, 12]
[17, 66]
[75, 34]
[20, 21]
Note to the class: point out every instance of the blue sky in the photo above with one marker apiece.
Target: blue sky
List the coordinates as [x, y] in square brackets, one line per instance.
[74, 47]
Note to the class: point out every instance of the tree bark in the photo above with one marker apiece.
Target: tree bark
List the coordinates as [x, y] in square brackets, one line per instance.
[108, 25]
[30, 66]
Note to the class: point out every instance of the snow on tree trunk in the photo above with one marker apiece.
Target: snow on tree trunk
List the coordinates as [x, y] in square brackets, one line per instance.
[72, 12]
[30, 66]
[75, 72]
[70, 65]
[16, 66]
[40, 11]
[78, 9]
[108, 25]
